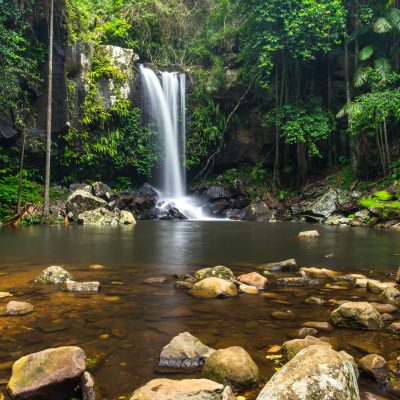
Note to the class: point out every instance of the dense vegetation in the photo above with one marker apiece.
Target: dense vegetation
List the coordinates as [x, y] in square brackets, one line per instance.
[324, 73]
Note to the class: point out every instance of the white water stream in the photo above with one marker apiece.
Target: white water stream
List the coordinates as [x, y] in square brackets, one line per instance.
[166, 102]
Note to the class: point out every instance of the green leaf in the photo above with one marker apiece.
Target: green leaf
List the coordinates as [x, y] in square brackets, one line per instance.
[366, 53]
[382, 67]
[382, 25]
[393, 16]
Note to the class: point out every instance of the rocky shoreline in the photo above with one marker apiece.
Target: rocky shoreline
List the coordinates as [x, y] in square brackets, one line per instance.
[313, 364]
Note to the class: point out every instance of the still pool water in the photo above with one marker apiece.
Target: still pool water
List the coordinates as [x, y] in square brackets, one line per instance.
[124, 328]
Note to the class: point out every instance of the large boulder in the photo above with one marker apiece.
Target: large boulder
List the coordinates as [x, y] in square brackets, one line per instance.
[253, 279]
[281, 266]
[292, 347]
[359, 315]
[50, 374]
[217, 192]
[196, 389]
[378, 287]
[103, 216]
[215, 272]
[233, 367]
[327, 204]
[375, 366]
[81, 201]
[148, 191]
[54, 274]
[184, 352]
[103, 191]
[391, 296]
[258, 212]
[317, 373]
[213, 287]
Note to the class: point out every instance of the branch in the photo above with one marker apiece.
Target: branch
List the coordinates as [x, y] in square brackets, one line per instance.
[212, 157]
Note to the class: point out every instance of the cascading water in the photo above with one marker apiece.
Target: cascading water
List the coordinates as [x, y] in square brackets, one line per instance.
[166, 108]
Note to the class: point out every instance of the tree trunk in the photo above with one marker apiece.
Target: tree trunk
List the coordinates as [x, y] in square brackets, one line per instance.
[385, 135]
[21, 170]
[275, 178]
[331, 137]
[49, 112]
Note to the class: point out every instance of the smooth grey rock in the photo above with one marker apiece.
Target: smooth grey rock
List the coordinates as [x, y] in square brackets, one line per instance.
[283, 266]
[73, 286]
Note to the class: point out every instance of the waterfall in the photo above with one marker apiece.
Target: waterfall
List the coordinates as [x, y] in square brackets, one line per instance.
[165, 102]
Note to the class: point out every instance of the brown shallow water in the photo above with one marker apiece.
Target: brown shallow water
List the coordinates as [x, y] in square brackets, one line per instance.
[127, 324]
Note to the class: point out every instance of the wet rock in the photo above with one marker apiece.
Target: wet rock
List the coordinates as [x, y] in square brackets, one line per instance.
[148, 191]
[327, 204]
[54, 274]
[391, 296]
[217, 192]
[184, 352]
[378, 287]
[394, 328]
[217, 206]
[283, 266]
[317, 373]
[253, 279]
[320, 326]
[362, 282]
[283, 315]
[103, 191]
[308, 235]
[155, 280]
[315, 300]
[88, 387]
[168, 389]
[4, 294]
[183, 285]
[295, 281]
[126, 218]
[232, 367]
[312, 272]
[215, 272]
[258, 212]
[359, 315]
[103, 216]
[349, 277]
[292, 347]
[375, 366]
[363, 346]
[213, 287]
[336, 220]
[398, 276]
[393, 387]
[304, 332]
[235, 214]
[387, 317]
[49, 374]
[81, 201]
[73, 286]
[384, 308]
[13, 308]
[248, 289]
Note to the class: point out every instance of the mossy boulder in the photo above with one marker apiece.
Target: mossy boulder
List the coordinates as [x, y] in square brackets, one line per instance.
[317, 373]
[391, 296]
[53, 275]
[215, 272]
[213, 287]
[50, 374]
[233, 367]
[292, 347]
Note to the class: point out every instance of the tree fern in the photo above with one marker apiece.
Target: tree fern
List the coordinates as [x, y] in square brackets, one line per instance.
[366, 53]
[382, 67]
[393, 16]
[382, 25]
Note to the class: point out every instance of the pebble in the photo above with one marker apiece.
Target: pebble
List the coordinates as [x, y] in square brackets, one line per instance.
[97, 267]
[320, 326]
[283, 315]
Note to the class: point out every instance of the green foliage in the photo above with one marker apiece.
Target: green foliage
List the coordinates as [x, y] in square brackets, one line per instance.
[303, 122]
[251, 175]
[344, 178]
[383, 195]
[31, 192]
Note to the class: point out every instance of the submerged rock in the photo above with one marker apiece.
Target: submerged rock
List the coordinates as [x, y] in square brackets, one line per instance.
[248, 289]
[304, 332]
[283, 315]
[292, 347]
[359, 315]
[54, 274]
[184, 352]
[377, 287]
[394, 328]
[50, 374]
[13, 308]
[313, 272]
[233, 367]
[375, 366]
[253, 279]
[315, 300]
[154, 280]
[317, 373]
[213, 287]
[295, 281]
[308, 235]
[320, 326]
[81, 201]
[196, 389]
[218, 271]
[283, 266]
[73, 286]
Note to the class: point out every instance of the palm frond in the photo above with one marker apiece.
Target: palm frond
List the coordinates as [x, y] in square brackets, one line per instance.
[382, 67]
[366, 53]
[393, 16]
[361, 76]
[382, 25]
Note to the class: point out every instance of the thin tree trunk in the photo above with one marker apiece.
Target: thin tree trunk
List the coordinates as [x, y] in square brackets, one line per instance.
[49, 112]
[275, 178]
[380, 148]
[331, 137]
[21, 170]
[385, 135]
